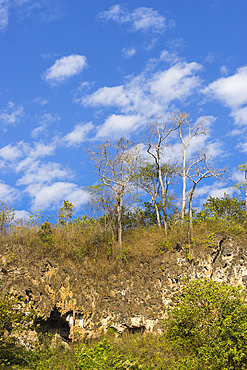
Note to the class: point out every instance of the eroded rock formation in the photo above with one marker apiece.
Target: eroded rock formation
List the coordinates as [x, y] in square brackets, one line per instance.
[134, 297]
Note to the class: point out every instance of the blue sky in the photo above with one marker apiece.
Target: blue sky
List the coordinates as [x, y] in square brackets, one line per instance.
[73, 73]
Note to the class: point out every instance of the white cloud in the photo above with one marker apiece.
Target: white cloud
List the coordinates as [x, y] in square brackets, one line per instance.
[79, 134]
[48, 196]
[44, 120]
[243, 147]
[238, 176]
[223, 71]
[21, 215]
[216, 190]
[8, 193]
[40, 150]
[210, 57]
[176, 82]
[65, 67]
[11, 114]
[141, 18]
[116, 126]
[10, 152]
[240, 116]
[45, 10]
[232, 92]
[22, 157]
[146, 95]
[170, 57]
[129, 52]
[4, 17]
[41, 101]
[38, 173]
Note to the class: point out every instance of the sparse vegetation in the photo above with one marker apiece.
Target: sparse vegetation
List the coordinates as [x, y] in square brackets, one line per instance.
[204, 330]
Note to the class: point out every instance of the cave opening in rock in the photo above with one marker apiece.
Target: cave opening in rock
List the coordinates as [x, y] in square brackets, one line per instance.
[55, 324]
[135, 329]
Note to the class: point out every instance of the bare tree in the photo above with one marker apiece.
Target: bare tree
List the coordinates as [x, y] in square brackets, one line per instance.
[102, 203]
[196, 173]
[160, 131]
[187, 130]
[148, 180]
[116, 165]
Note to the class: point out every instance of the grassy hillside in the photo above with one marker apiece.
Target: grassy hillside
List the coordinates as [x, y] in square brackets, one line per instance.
[204, 331]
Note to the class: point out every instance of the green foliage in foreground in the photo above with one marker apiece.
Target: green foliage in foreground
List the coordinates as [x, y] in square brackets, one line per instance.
[103, 355]
[210, 323]
[206, 330]
[15, 318]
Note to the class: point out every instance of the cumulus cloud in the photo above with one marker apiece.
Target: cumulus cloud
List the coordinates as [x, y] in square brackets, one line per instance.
[8, 193]
[232, 92]
[240, 116]
[170, 57]
[31, 154]
[243, 147]
[51, 196]
[147, 95]
[11, 114]
[216, 190]
[21, 215]
[64, 68]
[38, 173]
[140, 19]
[10, 153]
[79, 134]
[116, 126]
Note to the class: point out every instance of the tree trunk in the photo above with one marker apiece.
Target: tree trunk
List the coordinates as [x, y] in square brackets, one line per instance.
[184, 188]
[163, 192]
[157, 214]
[119, 225]
[190, 209]
[246, 199]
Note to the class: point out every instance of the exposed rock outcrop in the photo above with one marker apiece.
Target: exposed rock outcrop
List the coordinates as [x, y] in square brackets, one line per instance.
[134, 297]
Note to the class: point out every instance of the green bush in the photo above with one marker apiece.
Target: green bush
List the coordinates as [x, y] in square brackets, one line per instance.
[104, 356]
[15, 317]
[209, 322]
[45, 234]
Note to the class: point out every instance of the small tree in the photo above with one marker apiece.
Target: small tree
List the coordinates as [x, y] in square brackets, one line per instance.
[102, 204]
[243, 184]
[148, 179]
[187, 131]
[226, 208]
[116, 165]
[6, 216]
[196, 172]
[65, 213]
[159, 132]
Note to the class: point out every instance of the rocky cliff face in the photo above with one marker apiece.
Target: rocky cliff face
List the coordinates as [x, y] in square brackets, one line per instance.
[132, 298]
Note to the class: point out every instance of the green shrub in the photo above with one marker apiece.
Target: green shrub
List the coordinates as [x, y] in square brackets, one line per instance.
[15, 317]
[45, 234]
[209, 322]
[104, 356]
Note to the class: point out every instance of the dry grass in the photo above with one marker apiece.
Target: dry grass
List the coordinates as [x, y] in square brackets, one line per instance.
[75, 244]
